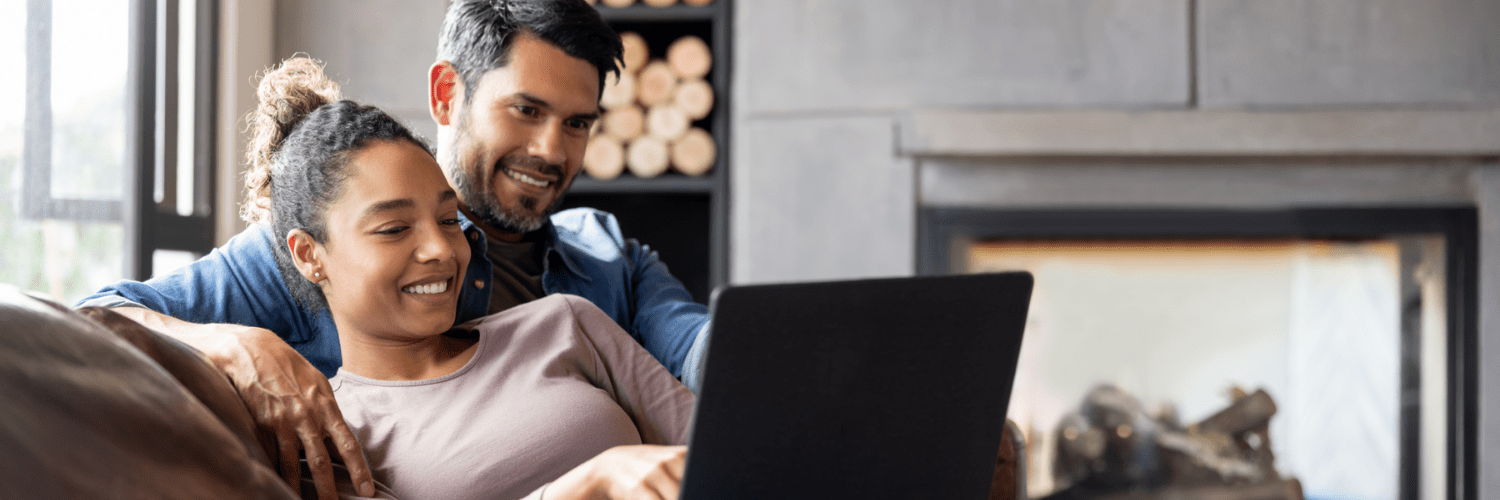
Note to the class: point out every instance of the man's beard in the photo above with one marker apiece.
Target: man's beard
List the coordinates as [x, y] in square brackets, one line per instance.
[521, 217]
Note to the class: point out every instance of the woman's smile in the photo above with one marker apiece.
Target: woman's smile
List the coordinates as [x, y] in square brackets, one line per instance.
[430, 292]
[427, 289]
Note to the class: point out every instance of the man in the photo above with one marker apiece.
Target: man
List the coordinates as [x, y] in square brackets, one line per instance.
[514, 93]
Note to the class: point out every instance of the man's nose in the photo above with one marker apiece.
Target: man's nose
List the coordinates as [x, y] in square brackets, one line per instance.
[547, 143]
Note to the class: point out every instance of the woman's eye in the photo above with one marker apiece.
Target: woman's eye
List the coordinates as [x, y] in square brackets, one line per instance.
[449, 222]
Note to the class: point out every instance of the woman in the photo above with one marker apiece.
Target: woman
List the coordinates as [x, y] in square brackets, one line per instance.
[549, 397]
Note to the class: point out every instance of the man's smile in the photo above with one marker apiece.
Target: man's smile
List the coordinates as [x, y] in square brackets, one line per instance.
[527, 179]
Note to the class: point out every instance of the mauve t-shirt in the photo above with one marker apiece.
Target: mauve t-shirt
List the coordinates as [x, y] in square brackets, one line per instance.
[552, 383]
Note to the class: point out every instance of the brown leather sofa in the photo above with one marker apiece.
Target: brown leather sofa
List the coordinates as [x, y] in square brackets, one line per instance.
[92, 405]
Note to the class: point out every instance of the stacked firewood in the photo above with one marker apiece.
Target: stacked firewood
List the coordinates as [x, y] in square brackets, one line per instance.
[649, 110]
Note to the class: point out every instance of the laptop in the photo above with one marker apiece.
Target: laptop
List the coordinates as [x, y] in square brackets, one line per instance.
[870, 389]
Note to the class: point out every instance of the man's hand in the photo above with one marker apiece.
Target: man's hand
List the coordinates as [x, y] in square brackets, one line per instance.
[285, 394]
[639, 472]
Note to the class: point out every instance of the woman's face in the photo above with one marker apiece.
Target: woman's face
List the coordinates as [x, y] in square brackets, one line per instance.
[395, 255]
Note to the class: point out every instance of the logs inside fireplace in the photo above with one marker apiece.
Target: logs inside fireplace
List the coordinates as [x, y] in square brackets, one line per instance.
[1111, 449]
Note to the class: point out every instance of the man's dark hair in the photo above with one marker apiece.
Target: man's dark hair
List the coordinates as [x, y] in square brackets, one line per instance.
[478, 34]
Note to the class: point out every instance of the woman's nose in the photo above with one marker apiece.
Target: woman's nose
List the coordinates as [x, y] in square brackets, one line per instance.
[433, 245]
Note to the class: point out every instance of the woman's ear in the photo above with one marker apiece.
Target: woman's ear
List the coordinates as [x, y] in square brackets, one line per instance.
[443, 89]
[307, 255]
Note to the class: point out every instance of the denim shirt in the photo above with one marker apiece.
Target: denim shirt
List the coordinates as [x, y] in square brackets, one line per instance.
[586, 255]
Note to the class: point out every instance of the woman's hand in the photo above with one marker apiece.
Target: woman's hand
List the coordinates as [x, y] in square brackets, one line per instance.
[285, 394]
[638, 472]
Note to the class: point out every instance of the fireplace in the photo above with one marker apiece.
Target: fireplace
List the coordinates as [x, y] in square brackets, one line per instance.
[1359, 321]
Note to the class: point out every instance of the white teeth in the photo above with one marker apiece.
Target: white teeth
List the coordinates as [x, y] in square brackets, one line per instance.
[527, 179]
[439, 287]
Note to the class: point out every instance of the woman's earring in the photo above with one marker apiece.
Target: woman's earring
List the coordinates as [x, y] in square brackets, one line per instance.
[317, 275]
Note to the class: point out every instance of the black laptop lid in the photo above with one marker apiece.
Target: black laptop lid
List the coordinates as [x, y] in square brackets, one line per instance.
[891, 388]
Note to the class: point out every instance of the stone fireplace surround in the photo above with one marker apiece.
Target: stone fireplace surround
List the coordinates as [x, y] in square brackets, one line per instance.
[976, 170]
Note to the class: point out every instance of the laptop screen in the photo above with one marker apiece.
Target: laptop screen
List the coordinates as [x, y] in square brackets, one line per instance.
[889, 388]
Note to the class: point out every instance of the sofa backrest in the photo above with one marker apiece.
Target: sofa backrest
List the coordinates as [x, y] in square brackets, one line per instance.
[84, 414]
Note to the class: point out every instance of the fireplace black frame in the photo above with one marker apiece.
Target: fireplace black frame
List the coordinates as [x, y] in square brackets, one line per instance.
[943, 232]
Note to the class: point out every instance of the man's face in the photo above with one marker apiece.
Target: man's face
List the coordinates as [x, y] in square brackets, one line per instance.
[520, 135]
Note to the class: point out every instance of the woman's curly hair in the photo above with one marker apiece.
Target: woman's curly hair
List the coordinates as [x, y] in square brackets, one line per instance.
[287, 94]
[302, 138]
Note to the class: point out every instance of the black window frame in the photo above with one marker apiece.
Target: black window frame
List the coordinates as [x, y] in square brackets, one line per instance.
[150, 135]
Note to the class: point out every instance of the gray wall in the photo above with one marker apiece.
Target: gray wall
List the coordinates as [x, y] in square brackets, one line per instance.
[849, 116]
[378, 50]
[819, 85]
[815, 80]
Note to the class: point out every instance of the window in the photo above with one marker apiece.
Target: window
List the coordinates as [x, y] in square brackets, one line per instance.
[105, 140]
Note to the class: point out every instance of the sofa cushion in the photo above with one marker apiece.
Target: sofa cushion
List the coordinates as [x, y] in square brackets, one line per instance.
[193, 370]
[87, 415]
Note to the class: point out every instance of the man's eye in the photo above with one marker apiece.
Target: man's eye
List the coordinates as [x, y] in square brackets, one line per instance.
[391, 230]
[527, 110]
[580, 124]
[449, 222]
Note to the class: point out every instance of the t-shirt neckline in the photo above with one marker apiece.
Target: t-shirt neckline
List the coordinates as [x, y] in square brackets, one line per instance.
[478, 349]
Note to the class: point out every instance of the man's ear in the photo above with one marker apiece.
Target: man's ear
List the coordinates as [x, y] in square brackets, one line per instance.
[307, 255]
[443, 92]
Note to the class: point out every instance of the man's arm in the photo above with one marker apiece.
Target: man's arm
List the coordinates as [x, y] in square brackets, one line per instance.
[670, 325]
[666, 319]
[635, 288]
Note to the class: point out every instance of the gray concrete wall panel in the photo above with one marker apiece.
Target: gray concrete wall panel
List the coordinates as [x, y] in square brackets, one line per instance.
[1487, 194]
[378, 50]
[821, 199]
[805, 56]
[1308, 133]
[1242, 184]
[1348, 52]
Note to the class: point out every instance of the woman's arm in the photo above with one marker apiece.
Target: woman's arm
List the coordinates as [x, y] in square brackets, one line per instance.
[660, 405]
[638, 472]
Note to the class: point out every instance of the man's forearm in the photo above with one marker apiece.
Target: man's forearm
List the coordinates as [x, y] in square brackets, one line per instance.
[215, 341]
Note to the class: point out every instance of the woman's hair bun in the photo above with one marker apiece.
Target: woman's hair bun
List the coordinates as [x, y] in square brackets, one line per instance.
[287, 94]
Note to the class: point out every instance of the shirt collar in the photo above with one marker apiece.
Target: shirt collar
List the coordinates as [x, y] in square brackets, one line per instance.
[553, 233]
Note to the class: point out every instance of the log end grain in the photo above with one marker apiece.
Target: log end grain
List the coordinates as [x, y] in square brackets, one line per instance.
[624, 123]
[605, 158]
[636, 51]
[694, 153]
[695, 98]
[666, 122]
[647, 157]
[656, 83]
[689, 57]
[619, 91]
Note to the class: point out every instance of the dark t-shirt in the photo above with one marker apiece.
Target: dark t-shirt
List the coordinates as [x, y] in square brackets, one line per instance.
[516, 269]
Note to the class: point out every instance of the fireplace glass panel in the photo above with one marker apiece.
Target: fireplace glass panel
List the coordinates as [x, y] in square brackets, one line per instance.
[1325, 327]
